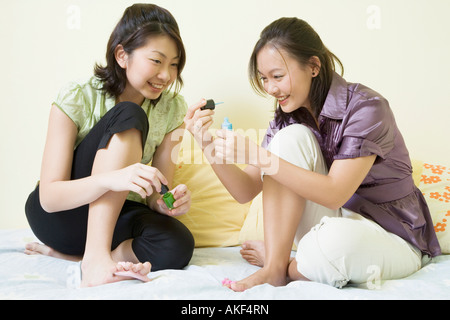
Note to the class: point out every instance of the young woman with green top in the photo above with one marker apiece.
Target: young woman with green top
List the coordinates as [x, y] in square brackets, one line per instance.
[98, 199]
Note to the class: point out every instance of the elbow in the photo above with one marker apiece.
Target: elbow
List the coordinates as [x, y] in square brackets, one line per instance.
[242, 200]
[335, 203]
[250, 195]
[48, 207]
[333, 206]
[46, 203]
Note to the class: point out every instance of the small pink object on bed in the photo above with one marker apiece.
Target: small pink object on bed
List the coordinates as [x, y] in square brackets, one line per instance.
[227, 282]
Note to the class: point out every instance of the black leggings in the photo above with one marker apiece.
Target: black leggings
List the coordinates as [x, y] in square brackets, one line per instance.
[162, 240]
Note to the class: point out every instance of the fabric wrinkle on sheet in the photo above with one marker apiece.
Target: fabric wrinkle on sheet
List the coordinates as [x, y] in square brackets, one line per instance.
[74, 276]
[38, 277]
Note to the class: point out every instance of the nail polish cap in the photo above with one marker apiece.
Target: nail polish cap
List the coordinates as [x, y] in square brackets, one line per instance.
[164, 189]
[210, 104]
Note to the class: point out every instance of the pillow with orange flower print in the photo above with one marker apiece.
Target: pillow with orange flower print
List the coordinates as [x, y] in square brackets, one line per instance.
[435, 185]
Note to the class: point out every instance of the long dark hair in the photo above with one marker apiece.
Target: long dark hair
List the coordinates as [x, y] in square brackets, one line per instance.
[301, 42]
[138, 23]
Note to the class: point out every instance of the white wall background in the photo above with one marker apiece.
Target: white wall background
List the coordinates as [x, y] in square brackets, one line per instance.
[399, 48]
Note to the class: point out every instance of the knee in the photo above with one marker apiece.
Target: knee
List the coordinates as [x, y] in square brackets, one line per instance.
[293, 135]
[129, 112]
[172, 248]
[123, 117]
[129, 107]
[298, 145]
[181, 247]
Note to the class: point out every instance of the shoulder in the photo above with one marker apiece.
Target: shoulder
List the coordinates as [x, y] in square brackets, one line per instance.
[367, 105]
[170, 110]
[78, 98]
[171, 106]
[344, 99]
[369, 117]
[172, 102]
[80, 91]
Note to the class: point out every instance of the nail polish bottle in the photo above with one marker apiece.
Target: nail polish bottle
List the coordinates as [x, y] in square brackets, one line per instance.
[168, 200]
[227, 124]
[167, 196]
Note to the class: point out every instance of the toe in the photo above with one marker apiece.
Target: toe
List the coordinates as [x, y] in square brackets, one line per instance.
[238, 286]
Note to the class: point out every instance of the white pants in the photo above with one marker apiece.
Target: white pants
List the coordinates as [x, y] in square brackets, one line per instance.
[339, 246]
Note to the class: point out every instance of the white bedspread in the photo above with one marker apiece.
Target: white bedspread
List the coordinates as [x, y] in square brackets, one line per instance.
[39, 277]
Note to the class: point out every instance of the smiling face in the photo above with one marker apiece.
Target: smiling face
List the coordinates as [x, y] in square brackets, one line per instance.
[284, 78]
[150, 69]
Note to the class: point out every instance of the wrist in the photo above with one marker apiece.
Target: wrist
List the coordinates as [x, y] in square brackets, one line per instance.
[266, 161]
[151, 202]
[104, 181]
[204, 140]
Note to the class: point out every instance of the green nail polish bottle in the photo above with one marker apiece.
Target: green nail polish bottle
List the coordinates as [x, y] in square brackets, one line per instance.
[168, 200]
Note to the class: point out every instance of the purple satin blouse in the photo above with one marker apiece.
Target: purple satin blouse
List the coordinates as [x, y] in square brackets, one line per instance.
[355, 122]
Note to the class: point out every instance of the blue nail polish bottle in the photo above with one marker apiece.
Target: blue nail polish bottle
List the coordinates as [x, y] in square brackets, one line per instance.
[227, 124]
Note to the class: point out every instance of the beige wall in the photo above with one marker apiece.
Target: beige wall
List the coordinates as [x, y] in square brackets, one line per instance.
[399, 48]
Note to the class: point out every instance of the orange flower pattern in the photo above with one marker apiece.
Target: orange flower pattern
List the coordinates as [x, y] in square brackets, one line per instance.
[439, 176]
[428, 180]
[440, 227]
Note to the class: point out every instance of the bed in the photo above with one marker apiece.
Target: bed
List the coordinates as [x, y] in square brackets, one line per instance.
[219, 226]
[40, 277]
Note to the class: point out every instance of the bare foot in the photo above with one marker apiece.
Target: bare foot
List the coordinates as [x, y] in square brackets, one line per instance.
[137, 271]
[34, 248]
[254, 252]
[105, 270]
[260, 277]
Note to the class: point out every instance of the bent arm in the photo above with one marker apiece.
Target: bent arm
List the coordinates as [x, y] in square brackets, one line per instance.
[332, 190]
[57, 191]
[243, 185]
